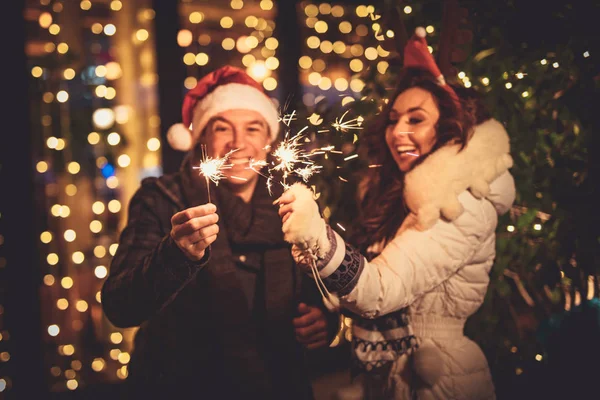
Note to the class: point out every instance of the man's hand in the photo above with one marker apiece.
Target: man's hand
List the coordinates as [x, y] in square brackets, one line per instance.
[194, 229]
[311, 327]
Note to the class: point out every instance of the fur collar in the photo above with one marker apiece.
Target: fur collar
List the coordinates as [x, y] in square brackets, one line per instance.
[432, 188]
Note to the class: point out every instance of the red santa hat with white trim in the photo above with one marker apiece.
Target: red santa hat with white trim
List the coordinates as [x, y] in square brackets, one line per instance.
[227, 88]
[417, 55]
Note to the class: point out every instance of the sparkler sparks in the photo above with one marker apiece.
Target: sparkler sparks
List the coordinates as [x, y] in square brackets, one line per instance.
[212, 168]
[344, 126]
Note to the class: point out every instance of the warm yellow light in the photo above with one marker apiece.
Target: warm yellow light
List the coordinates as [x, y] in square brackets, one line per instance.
[85, 5]
[48, 97]
[196, 17]
[114, 353]
[339, 47]
[382, 66]
[326, 46]
[142, 35]
[41, 167]
[72, 384]
[201, 59]
[190, 82]
[356, 65]
[356, 50]
[54, 29]
[70, 235]
[69, 74]
[371, 53]
[99, 296]
[266, 5]
[98, 364]
[271, 43]
[81, 305]
[226, 22]
[62, 96]
[45, 19]
[66, 282]
[341, 84]
[52, 259]
[97, 28]
[270, 83]
[228, 43]
[122, 372]
[71, 189]
[467, 84]
[113, 248]
[103, 118]
[78, 257]
[110, 29]
[46, 237]
[362, 11]
[95, 226]
[116, 337]
[555, 65]
[114, 206]
[53, 330]
[543, 61]
[311, 10]
[73, 167]
[48, 280]
[321, 26]
[189, 58]
[314, 78]
[153, 144]
[62, 304]
[111, 93]
[305, 62]
[325, 83]
[313, 42]
[99, 251]
[485, 81]
[345, 27]
[113, 138]
[124, 160]
[407, 9]
[124, 357]
[100, 271]
[100, 91]
[184, 38]
[116, 5]
[347, 100]
[258, 71]
[357, 85]
[236, 4]
[272, 63]
[98, 207]
[248, 60]
[508, 85]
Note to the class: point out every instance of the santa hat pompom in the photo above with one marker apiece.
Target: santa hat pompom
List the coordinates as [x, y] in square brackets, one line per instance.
[420, 32]
[179, 137]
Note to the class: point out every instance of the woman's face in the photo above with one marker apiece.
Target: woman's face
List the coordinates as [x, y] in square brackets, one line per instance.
[411, 128]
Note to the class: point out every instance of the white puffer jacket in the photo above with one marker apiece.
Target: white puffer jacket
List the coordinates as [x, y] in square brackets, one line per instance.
[437, 265]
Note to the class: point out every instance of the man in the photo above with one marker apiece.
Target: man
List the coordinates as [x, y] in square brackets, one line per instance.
[220, 303]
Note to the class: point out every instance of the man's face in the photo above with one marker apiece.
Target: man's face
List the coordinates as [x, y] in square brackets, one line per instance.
[243, 130]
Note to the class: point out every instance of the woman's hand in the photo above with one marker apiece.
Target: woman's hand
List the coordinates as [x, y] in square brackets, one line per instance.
[302, 222]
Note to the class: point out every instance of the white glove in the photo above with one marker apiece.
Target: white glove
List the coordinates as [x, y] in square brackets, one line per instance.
[303, 226]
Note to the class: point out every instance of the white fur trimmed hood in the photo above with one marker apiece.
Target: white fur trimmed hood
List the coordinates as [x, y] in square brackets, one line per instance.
[432, 188]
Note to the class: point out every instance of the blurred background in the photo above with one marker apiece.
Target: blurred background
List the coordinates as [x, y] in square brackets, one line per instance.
[95, 84]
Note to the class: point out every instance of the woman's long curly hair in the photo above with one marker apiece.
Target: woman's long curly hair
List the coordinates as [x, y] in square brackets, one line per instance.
[380, 196]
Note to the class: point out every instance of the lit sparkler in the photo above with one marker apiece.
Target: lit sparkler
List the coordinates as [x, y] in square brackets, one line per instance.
[212, 167]
[344, 126]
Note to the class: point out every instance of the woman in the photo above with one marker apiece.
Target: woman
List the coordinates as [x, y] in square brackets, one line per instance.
[429, 215]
